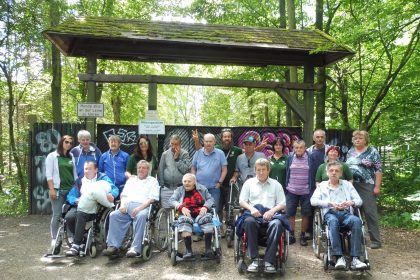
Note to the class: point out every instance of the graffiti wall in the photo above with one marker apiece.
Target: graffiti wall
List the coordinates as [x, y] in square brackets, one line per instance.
[46, 136]
[44, 140]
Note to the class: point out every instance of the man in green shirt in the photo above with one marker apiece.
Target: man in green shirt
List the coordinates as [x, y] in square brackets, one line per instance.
[231, 153]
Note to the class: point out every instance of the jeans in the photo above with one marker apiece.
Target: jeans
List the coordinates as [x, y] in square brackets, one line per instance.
[120, 222]
[274, 230]
[337, 219]
[215, 193]
[56, 206]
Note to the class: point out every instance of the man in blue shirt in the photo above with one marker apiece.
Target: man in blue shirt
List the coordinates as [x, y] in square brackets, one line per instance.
[114, 162]
[85, 151]
[210, 167]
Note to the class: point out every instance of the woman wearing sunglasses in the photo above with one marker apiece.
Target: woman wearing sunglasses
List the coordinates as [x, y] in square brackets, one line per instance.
[60, 174]
[143, 151]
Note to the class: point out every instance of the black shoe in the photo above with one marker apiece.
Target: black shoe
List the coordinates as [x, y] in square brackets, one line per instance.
[292, 239]
[303, 241]
[208, 254]
[57, 248]
[375, 245]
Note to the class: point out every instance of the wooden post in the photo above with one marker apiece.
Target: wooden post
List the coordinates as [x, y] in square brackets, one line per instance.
[152, 105]
[308, 100]
[91, 95]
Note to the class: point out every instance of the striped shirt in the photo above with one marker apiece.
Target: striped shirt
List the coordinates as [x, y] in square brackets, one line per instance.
[299, 179]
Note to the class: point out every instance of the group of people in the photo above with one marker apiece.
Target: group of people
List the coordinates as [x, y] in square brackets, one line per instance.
[279, 183]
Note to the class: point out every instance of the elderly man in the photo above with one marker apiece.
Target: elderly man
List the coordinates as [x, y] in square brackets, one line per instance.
[84, 151]
[139, 193]
[263, 198]
[77, 218]
[336, 198]
[245, 163]
[174, 163]
[114, 162]
[210, 166]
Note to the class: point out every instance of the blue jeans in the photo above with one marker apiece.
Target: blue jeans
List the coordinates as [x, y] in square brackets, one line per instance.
[215, 193]
[337, 219]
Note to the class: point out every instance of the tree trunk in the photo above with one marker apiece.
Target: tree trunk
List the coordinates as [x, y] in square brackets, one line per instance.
[283, 24]
[320, 96]
[56, 68]
[116, 107]
[1, 146]
[291, 12]
[12, 143]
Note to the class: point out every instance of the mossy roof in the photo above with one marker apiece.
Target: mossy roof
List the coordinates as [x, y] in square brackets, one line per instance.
[153, 41]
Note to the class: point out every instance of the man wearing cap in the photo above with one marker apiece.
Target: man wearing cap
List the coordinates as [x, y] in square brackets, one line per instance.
[245, 163]
[210, 167]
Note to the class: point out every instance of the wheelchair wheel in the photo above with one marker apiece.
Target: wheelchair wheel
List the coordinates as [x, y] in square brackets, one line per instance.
[325, 261]
[316, 237]
[229, 240]
[92, 250]
[147, 252]
[162, 224]
[236, 248]
[241, 266]
[169, 249]
[173, 258]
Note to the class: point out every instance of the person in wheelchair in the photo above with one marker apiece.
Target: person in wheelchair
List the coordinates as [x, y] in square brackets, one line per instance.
[262, 198]
[89, 190]
[139, 192]
[336, 198]
[192, 201]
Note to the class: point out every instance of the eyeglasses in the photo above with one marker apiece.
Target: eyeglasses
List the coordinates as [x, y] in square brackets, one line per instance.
[68, 142]
[143, 143]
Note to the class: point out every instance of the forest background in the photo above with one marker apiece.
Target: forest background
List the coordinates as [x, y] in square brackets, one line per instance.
[377, 89]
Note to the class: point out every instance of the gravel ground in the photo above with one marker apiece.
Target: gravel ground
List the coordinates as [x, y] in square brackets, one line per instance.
[24, 240]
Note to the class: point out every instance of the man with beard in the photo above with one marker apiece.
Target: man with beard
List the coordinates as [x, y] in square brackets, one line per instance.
[231, 154]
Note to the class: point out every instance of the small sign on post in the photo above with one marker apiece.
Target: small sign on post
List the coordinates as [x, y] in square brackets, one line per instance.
[151, 127]
[90, 110]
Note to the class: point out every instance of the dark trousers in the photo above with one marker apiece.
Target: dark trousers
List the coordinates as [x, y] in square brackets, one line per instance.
[274, 230]
[76, 222]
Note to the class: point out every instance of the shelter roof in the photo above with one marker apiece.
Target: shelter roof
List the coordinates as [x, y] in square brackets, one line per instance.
[174, 42]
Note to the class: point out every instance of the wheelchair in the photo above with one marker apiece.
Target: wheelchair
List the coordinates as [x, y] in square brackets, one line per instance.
[242, 258]
[233, 209]
[321, 243]
[94, 236]
[155, 232]
[174, 240]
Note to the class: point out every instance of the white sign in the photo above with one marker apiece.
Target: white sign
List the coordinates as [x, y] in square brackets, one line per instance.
[151, 127]
[152, 115]
[90, 110]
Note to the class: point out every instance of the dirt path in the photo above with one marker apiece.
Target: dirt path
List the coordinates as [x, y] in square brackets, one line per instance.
[24, 240]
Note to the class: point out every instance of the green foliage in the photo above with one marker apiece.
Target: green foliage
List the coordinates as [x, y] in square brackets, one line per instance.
[11, 203]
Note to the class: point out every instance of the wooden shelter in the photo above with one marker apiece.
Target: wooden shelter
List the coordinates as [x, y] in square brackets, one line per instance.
[172, 42]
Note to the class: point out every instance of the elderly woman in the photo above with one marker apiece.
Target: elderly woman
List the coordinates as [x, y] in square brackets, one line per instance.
[192, 201]
[333, 153]
[365, 163]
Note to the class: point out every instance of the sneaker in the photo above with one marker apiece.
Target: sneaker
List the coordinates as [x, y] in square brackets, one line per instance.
[341, 263]
[188, 256]
[73, 251]
[269, 268]
[357, 264]
[132, 254]
[375, 245]
[303, 241]
[253, 267]
[110, 251]
[292, 239]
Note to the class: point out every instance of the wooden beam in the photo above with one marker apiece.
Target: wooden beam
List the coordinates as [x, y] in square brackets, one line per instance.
[292, 102]
[174, 80]
[309, 102]
[91, 94]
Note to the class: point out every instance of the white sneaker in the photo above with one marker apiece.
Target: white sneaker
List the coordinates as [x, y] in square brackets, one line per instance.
[357, 264]
[253, 267]
[341, 263]
[269, 268]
